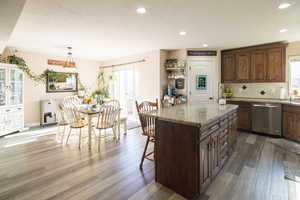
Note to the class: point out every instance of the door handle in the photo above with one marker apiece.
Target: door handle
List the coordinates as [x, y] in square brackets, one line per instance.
[208, 146]
[264, 106]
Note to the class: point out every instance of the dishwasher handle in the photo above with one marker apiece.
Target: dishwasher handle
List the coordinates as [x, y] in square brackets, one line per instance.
[264, 106]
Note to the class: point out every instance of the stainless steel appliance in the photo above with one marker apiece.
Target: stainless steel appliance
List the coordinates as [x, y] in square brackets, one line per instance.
[266, 118]
[48, 111]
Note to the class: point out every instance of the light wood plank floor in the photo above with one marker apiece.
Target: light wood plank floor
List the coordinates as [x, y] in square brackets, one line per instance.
[37, 167]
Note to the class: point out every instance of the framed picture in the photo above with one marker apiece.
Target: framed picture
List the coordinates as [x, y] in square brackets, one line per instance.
[61, 82]
[201, 82]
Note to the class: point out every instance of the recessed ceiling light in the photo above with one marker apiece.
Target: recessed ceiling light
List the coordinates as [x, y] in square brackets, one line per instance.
[284, 5]
[205, 45]
[182, 33]
[141, 10]
[283, 30]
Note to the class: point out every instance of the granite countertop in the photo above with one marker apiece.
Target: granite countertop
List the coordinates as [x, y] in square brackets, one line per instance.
[261, 100]
[196, 114]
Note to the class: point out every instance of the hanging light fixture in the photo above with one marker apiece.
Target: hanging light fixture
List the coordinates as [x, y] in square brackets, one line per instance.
[69, 63]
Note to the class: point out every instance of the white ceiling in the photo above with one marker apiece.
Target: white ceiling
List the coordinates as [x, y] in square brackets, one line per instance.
[10, 11]
[102, 29]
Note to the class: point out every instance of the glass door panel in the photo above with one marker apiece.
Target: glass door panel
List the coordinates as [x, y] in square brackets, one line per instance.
[124, 91]
[2, 87]
[16, 83]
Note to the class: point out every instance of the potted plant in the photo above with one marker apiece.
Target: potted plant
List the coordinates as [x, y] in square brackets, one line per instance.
[99, 95]
[81, 92]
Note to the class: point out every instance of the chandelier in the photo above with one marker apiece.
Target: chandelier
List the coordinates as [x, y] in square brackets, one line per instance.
[69, 63]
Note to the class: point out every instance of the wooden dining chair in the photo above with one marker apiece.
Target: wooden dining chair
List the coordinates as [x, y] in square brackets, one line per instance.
[74, 119]
[109, 118]
[73, 101]
[60, 118]
[148, 126]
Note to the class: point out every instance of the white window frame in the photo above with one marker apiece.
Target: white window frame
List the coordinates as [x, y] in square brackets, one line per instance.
[291, 60]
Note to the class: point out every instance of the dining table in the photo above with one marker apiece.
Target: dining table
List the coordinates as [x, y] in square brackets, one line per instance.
[90, 113]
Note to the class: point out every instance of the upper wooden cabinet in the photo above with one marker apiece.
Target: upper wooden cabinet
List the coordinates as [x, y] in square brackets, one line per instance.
[243, 66]
[262, 63]
[276, 64]
[258, 65]
[228, 67]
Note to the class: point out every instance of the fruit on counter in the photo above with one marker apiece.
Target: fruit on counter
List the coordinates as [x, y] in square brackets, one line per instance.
[228, 92]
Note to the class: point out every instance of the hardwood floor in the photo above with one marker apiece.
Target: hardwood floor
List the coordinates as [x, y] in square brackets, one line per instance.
[37, 167]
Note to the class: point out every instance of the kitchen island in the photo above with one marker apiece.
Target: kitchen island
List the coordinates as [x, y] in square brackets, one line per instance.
[193, 141]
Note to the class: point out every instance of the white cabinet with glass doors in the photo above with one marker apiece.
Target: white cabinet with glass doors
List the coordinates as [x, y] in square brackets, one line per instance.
[11, 99]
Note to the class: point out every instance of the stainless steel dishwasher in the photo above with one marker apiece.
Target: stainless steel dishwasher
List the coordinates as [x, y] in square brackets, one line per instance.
[266, 118]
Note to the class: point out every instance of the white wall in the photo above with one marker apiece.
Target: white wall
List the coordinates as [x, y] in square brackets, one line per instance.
[34, 92]
[163, 74]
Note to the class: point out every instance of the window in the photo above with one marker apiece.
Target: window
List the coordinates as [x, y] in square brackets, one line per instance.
[295, 74]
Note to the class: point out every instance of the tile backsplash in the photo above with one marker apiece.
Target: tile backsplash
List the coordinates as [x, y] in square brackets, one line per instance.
[257, 90]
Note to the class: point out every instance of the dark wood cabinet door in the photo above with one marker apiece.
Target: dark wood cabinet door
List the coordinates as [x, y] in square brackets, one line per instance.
[215, 153]
[228, 68]
[244, 118]
[243, 66]
[258, 65]
[297, 130]
[290, 125]
[205, 166]
[275, 65]
[232, 134]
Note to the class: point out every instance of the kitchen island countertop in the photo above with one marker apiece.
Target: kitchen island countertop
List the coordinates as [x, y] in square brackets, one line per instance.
[264, 100]
[196, 114]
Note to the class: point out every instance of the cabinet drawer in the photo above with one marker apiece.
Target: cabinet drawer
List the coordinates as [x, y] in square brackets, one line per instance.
[209, 130]
[224, 123]
[240, 103]
[291, 108]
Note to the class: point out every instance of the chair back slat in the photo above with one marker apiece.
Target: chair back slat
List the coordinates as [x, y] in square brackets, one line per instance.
[70, 110]
[147, 122]
[109, 114]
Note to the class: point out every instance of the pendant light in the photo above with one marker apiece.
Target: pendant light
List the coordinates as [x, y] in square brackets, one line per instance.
[69, 63]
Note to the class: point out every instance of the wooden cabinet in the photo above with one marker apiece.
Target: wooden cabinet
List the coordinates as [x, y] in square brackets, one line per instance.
[215, 151]
[205, 164]
[216, 148]
[291, 122]
[11, 100]
[262, 63]
[228, 67]
[276, 65]
[244, 118]
[243, 66]
[244, 115]
[210, 163]
[189, 156]
[258, 65]
[232, 133]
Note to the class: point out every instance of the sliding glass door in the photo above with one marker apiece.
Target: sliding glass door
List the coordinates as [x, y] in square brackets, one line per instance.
[124, 90]
[2, 87]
